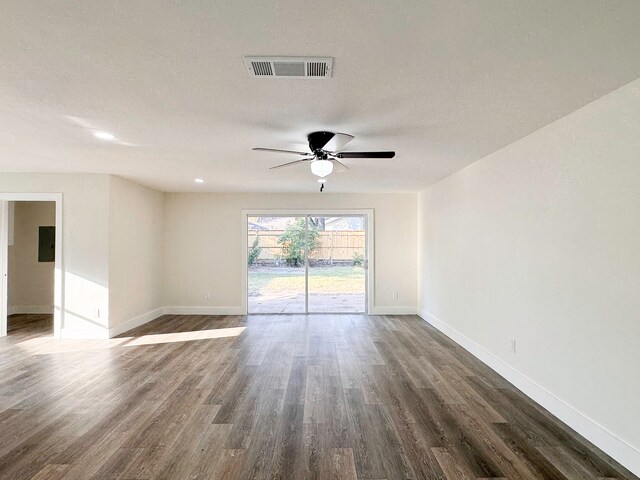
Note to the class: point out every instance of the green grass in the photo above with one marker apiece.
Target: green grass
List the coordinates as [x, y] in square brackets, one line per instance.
[274, 280]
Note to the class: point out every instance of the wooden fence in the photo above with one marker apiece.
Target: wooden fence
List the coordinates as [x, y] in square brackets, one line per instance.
[333, 245]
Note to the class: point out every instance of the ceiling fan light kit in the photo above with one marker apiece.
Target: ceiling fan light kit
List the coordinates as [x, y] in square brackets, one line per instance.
[324, 153]
[321, 168]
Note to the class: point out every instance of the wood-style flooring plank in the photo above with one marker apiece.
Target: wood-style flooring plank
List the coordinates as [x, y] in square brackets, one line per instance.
[300, 397]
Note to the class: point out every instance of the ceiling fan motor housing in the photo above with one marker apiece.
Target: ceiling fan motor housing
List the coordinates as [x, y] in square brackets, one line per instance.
[317, 140]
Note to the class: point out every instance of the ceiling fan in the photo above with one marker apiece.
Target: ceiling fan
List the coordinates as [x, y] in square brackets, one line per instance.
[325, 152]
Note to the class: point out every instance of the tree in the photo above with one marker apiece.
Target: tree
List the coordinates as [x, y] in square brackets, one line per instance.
[294, 240]
[318, 223]
[254, 251]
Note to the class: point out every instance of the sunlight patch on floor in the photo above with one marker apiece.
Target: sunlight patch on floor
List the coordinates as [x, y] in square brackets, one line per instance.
[185, 336]
[51, 345]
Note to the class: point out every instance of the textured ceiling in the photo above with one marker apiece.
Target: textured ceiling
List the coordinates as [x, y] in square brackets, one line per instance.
[444, 83]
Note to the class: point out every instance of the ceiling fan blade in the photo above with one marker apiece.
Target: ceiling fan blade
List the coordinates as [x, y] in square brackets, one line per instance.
[259, 149]
[288, 164]
[365, 154]
[318, 140]
[337, 142]
[341, 166]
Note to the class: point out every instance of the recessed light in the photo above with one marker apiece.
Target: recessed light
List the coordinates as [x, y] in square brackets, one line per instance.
[199, 180]
[104, 135]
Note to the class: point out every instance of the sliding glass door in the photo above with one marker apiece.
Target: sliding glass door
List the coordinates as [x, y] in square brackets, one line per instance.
[307, 264]
[276, 264]
[336, 264]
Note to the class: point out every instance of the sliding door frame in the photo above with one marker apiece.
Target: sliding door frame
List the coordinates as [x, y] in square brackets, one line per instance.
[366, 213]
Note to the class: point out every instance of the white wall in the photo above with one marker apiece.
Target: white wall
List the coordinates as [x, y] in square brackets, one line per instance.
[30, 283]
[85, 244]
[203, 244]
[540, 242]
[135, 254]
[129, 250]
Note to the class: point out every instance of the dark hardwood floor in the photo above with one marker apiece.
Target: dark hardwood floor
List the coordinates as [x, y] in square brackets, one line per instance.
[29, 326]
[289, 397]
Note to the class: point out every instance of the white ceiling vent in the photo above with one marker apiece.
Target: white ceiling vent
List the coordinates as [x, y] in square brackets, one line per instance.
[287, 67]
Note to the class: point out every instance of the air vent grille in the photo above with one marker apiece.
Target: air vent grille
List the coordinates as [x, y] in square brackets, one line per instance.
[316, 69]
[289, 67]
[262, 69]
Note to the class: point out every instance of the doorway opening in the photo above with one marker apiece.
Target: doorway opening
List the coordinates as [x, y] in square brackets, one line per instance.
[307, 263]
[30, 268]
[30, 264]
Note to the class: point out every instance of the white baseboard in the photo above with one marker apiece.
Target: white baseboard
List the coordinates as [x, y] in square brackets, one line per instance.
[184, 310]
[195, 310]
[617, 448]
[176, 310]
[135, 322]
[30, 309]
[393, 310]
[189, 310]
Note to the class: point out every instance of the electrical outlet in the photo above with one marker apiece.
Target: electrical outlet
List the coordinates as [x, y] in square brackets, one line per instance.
[96, 313]
[395, 295]
[512, 345]
[207, 296]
